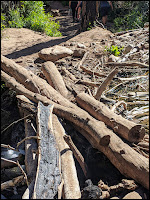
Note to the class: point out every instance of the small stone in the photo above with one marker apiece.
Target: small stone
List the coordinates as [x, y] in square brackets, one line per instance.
[81, 45]
[78, 52]
[113, 58]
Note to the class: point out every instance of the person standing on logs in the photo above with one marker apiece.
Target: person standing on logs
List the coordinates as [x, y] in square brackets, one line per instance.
[73, 5]
[78, 9]
[104, 9]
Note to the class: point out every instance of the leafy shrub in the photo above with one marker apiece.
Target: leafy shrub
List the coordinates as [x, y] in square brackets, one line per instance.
[2, 21]
[15, 20]
[31, 15]
[115, 50]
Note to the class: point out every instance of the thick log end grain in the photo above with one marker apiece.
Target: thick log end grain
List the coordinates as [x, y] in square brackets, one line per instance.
[136, 133]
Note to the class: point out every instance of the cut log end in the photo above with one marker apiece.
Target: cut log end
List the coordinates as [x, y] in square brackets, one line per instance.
[136, 133]
[105, 140]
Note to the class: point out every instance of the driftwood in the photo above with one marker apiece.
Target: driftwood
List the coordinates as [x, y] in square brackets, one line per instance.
[105, 83]
[123, 157]
[54, 78]
[127, 129]
[69, 174]
[128, 63]
[76, 153]
[48, 170]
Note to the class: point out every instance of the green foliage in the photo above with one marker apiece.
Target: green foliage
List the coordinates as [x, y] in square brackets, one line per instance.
[31, 14]
[89, 26]
[3, 87]
[115, 50]
[2, 21]
[15, 20]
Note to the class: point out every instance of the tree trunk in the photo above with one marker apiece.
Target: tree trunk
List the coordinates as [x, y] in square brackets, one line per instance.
[88, 14]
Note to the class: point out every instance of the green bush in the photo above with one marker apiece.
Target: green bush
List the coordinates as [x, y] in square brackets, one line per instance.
[115, 50]
[2, 21]
[30, 14]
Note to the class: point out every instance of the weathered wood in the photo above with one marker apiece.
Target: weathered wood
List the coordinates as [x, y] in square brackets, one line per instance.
[69, 173]
[67, 73]
[125, 128]
[105, 83]
[82, 61]
[48, 171]
[54, 78]
[81, 118]
[128, 63]
[76, 153]
[33, 82]
[123, 157]
[88, 71]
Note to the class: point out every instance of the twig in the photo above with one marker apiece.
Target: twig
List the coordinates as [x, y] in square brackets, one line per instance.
[8, 147]
[105, 83]
[91, 72]
[60, 189]
[118, 104]
[76, 153]
[82, 61]
[28, 138]
[17, 163]
[15, 122]
[129, 63]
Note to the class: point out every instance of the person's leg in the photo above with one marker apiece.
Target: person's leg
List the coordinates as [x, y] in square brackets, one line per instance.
[73, 10]
[104, 19]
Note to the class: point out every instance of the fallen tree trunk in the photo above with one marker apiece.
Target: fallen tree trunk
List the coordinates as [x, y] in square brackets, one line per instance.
[105, 83]
[54, 78]
[125, 128]
[123, 157]
[48, 175]
[69, 174]
[33, 82]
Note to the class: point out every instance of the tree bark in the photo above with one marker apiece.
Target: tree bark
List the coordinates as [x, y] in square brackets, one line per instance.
[69, 174]
[48, 175]
[127, 129]
[54, 78]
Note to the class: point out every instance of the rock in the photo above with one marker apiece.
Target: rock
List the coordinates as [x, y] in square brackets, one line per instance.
[113, 58]
[146, 24]
[81, 45]
[132, 195]
[54, 53]
[128, 49]
[91, 191]
[79, 52]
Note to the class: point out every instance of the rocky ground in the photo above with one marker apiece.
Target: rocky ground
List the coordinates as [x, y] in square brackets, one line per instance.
[23, 45]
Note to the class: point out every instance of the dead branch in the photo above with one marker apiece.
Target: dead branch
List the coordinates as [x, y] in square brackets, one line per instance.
[54, 78]
[105, 83]
[76, 153]
[118, 104]
[88, 71]
[28, 138]
[12, 183]
[128, 63]
[70, 75]
[78, 66]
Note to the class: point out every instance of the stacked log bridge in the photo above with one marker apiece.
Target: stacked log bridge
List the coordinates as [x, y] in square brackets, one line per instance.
[127, 129]
[54, 78]
[125, 159]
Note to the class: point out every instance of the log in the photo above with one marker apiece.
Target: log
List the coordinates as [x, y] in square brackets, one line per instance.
[69, 173]
[48, 175]
[33, 82]
[81, 118]
[127, 129]
[105, 83]
[129, 162]
[54, 78]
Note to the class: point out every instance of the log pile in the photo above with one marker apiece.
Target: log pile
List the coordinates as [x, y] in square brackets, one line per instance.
[50, 151]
